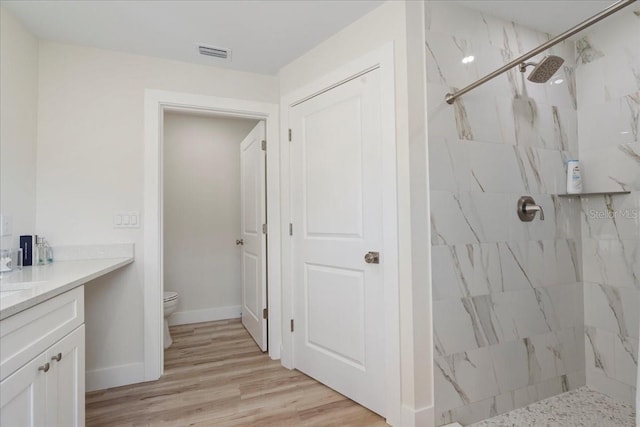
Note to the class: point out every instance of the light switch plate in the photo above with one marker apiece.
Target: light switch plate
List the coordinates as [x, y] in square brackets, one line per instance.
[129, 219]
[6, 225]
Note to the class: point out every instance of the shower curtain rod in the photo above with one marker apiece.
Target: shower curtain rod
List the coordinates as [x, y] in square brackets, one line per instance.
[450, 97]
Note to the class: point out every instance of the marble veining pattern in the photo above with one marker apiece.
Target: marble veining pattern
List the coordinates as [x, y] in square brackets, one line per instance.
[583, 407]
[524, 311]
[607, 75]
[508, 312]
[585, 52]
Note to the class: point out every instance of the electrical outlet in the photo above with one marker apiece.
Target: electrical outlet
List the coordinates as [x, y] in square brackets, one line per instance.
[6, 225]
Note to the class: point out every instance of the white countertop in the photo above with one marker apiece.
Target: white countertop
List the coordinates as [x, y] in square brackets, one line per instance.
[20, 290]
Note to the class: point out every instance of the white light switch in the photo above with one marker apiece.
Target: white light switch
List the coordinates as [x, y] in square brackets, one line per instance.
[134, 219]
[126, 220]
[5, 225]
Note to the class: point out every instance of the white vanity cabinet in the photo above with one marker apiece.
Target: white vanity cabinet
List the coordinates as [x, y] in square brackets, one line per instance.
[42, 364]
[65, 381]
[23, 396]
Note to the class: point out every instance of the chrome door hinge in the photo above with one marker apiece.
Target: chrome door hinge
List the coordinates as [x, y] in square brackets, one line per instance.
[292, 325]
[290, 229]
[264, 145]
[264, 228]
[289, 135]
[265, 313]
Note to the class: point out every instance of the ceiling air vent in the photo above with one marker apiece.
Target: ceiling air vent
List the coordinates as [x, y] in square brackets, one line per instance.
[216, 52]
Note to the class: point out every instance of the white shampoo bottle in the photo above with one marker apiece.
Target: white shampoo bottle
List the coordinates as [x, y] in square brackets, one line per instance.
[574, 177]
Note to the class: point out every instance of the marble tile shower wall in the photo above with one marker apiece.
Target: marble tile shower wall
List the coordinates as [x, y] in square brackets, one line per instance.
[508, 295]
[608, 93]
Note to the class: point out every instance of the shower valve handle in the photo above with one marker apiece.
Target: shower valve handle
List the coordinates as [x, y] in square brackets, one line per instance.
[532, 209]
[527, 208]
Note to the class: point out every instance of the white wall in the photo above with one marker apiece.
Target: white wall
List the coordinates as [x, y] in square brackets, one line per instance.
[400, 22]
[18, 128]
[202, 214]
[90, 165]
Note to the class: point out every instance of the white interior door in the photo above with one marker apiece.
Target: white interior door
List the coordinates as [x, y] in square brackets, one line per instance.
[337, 220]
[253, 211]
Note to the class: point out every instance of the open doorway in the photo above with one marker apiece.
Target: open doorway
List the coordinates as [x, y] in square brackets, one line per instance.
[156, 104]
[214, 209]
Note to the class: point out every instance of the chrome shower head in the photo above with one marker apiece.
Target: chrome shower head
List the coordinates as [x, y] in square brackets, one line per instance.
[544, 69]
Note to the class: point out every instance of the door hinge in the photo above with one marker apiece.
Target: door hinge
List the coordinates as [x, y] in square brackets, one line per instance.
[292, 325]
[289, 135]
[264, 145]
[265, 313]
[290, 229]
[264, 228]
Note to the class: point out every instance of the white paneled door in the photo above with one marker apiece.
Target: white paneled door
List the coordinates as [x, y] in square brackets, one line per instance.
[254, 239]
[337, 238]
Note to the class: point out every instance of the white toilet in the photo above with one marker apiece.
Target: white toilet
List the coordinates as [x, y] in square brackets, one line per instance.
[170, 302]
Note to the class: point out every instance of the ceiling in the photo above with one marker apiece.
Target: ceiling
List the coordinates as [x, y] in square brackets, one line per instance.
[263, 35]
[550, 16]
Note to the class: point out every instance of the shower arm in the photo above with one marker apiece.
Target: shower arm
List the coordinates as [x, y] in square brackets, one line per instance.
[523, 67]
[450, 97]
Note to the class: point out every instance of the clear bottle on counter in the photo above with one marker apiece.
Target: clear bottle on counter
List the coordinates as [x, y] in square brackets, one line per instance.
[48, 252]
[41, 251]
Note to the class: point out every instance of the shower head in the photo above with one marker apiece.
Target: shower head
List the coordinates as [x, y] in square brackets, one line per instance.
[544, 69]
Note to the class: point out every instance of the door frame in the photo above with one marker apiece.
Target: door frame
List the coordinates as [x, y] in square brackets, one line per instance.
[155, 103]
[382, 59]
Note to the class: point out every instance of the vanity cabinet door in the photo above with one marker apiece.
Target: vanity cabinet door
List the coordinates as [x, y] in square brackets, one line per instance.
[23, 394]
[65, 382]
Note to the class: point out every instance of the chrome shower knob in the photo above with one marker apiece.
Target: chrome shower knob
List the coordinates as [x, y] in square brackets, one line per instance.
[527, 209]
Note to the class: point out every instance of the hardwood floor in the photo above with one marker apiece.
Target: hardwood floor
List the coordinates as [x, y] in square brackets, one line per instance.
[215, 375]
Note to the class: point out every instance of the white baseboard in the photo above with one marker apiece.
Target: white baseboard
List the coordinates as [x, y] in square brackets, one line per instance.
[206, 315]
[422, 417]
[115, 376]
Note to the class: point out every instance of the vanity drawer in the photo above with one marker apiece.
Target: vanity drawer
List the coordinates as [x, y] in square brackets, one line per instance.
[28, 333]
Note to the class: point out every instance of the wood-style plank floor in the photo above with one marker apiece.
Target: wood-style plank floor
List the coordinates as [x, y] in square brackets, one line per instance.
[215, 375]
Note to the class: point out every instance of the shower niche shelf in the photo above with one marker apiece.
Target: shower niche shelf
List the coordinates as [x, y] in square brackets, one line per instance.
[595, 193]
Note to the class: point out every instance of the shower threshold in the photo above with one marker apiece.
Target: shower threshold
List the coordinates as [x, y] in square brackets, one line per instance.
[580, 407]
